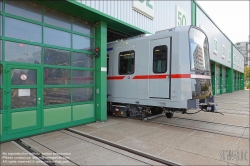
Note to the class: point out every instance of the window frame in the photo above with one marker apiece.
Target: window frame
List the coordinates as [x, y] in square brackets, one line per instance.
[119, 62]
[166, 69]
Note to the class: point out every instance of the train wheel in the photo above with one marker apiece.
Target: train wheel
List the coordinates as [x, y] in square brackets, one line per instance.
[169, 114]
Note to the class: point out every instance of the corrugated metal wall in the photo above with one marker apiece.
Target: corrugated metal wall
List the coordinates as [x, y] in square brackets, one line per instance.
[164, 13]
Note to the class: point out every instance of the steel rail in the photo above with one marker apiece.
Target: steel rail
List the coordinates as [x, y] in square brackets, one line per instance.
[231, 125]
[200, 129]
[139, 153]
[36, 153]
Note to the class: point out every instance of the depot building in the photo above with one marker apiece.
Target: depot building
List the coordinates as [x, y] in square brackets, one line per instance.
[53, 57]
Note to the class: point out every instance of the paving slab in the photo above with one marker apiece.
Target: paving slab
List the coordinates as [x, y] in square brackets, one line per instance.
[196, 124]
[244, 113]
[179, 156]
[238, 120]
[51, 138]
[218, 137]
[206, 147]
[234, 130]
[246, 133]
[213, 127]
[143, 146]
[86, 128]
[148, 135]
[171, 139]
[182, 122]
[98, 157]
[186, 158]
[109, 135]
[175, 129]
[49, 153]
[124, 161]
[63, 145]
[243, 156]
[102, 124]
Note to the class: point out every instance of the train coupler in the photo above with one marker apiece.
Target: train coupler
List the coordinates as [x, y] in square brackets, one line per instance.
[209, 107]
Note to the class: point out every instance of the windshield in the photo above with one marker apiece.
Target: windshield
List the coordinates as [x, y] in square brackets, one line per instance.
[198, 50]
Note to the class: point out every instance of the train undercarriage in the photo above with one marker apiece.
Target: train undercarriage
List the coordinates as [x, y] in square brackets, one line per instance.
[141, 111]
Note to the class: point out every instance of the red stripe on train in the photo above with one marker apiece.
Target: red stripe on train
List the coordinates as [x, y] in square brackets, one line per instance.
[180, 76]
[143, 77]
[115, 77]
[163, 76]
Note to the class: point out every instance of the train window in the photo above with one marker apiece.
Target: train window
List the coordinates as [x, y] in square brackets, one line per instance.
[126, 62]
[199, 53]
[160, 59]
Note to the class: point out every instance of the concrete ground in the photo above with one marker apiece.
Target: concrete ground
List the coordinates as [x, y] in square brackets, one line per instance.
[226, 144]
[13, 154]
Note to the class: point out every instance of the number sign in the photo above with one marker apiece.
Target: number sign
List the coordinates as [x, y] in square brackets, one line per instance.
[181, 16]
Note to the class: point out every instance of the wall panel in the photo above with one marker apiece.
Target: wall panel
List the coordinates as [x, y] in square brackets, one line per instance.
[164, 13]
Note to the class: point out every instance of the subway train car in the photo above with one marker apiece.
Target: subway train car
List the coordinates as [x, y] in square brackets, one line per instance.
[166, 72]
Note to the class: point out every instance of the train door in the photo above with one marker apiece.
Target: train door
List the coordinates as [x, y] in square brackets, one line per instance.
[159, 68]
[123, 71]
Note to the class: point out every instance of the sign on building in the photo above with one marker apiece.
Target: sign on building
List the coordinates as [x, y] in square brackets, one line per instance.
[145, 7]
[223, 51]
[215, 50]
[234, 59]
[180, 16]
[229, 56]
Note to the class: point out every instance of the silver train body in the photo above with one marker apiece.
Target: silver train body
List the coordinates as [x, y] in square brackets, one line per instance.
[167, 71]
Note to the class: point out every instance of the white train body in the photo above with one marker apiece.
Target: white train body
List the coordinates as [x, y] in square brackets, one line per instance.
[168, 69]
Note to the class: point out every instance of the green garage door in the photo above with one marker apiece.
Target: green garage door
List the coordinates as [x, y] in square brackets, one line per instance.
[47, 66]
[235, 81]
[224, 84]
[217, 79]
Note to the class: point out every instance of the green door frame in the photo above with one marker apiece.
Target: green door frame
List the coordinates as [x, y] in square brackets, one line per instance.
[221, 80]
[213, 78]
[101, 72]
[22, 120]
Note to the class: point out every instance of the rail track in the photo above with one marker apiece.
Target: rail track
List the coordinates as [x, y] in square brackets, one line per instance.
[72, 132]
[202, 127]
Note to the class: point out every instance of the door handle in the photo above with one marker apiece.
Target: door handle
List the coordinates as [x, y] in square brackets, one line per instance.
[6, 106]
[6, 92]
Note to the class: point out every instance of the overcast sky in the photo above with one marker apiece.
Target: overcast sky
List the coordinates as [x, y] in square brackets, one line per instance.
[232, 17]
